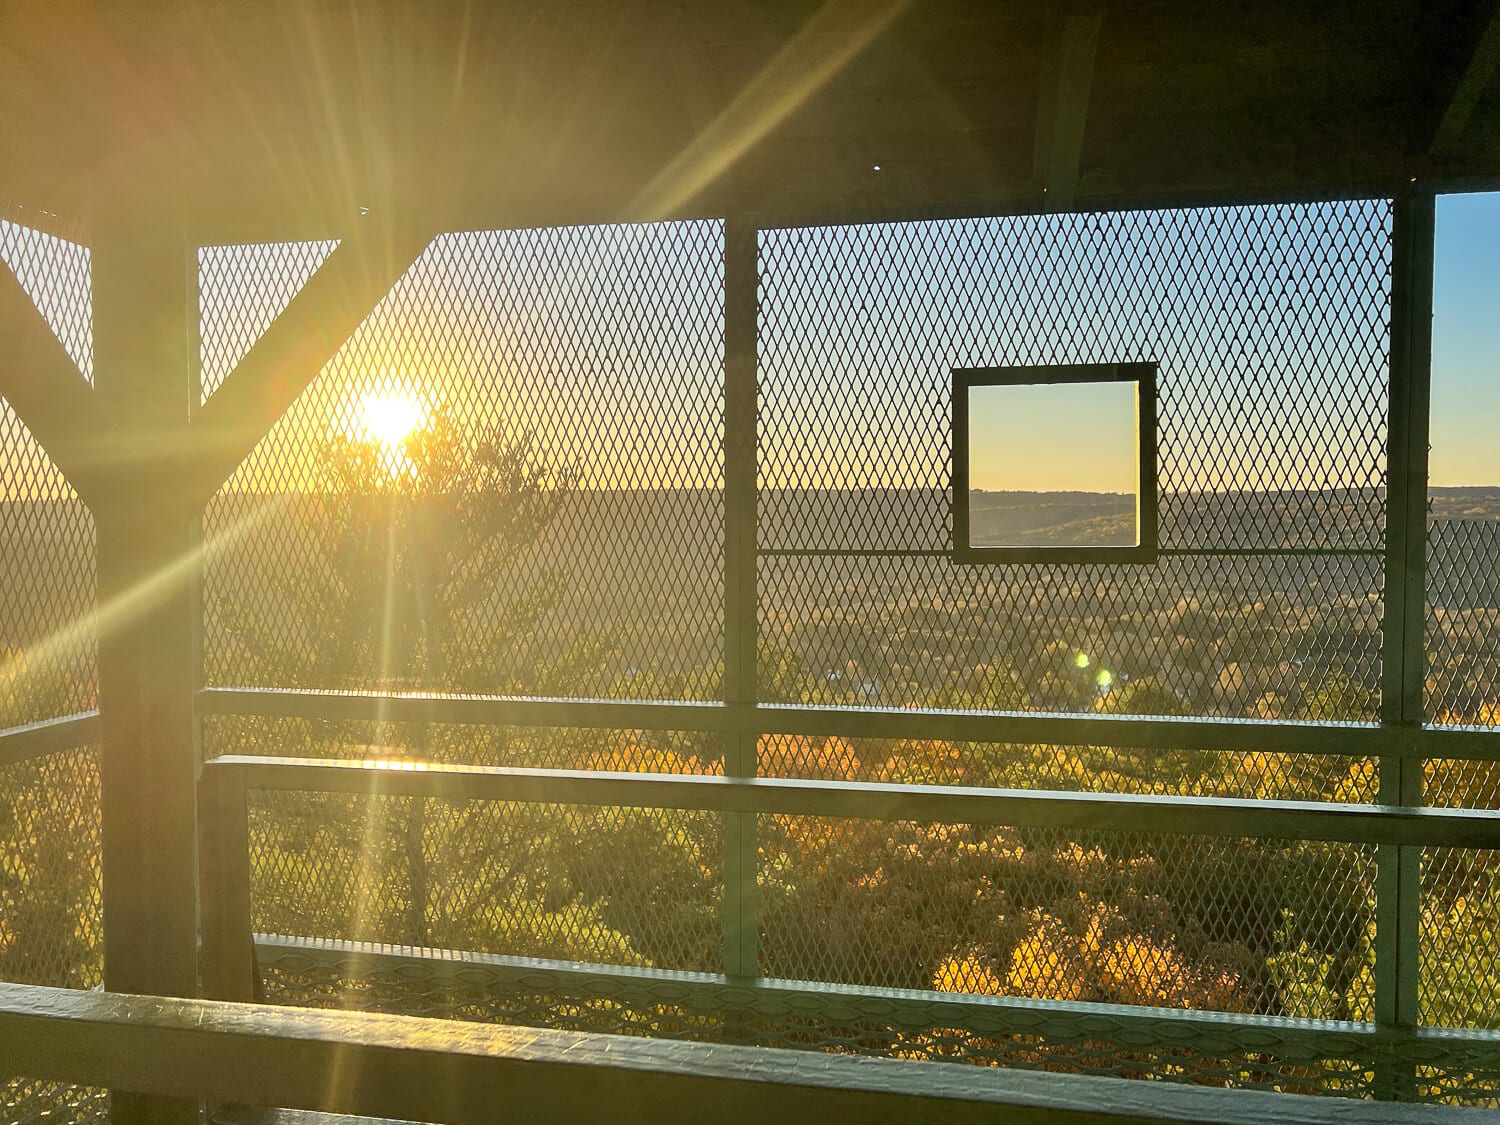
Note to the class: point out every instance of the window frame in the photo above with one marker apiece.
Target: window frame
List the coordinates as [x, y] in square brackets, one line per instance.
[1143, 375]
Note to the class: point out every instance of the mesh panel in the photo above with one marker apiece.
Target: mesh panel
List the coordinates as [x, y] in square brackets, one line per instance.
[241, 290]
[1168, 921]
[55, 272]
[1268, 637]
[615, 886]
[50, 923]
[1459, 982]
[1103, 769]
[1465, 1074]
[903, 1027]
[1269, 325]
[28, 1102]
[1463, 620]
[47, 647]
[519, 456]
[51, 926]
[1270, 329]
[528, 747]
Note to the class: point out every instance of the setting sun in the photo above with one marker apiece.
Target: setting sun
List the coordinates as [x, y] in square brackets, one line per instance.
[391, 417]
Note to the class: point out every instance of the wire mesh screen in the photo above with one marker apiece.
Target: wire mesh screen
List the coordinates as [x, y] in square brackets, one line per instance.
[55, 272]
[509, 481]
[51, 925]
[1280, 928]
[1254, 774]
[241, 290]
[50, 915]
[604, 885]
[47, 646]
[1270, 329]
[1458, 985]
[1463, 613]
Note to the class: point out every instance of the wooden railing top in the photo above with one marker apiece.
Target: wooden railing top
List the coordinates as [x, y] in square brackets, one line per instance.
[460, 1073]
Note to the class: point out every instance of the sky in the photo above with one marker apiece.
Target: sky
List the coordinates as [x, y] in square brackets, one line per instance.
[1013, 437]
[830, 352]
[1465, 431]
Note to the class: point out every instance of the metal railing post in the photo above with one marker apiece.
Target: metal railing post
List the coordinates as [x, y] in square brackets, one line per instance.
[741, 284]
[1398, 886]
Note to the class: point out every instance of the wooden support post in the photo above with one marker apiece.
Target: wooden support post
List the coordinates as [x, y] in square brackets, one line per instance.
[741, 859]
[1398, 879]
[149, 764]
[229, 971]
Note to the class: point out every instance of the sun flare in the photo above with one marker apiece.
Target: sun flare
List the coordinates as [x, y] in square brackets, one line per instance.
[391, 417]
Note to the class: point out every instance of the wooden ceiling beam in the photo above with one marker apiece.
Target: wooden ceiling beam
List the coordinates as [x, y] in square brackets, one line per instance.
[1457, 107]
[1067, 80]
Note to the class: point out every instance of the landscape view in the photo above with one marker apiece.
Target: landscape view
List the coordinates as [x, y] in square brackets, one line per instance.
[544, 516]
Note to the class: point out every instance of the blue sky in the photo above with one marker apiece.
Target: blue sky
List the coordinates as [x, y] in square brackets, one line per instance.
[1466, 342]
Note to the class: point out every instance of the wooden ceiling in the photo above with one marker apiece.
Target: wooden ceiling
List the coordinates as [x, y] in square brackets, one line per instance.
[281, 118]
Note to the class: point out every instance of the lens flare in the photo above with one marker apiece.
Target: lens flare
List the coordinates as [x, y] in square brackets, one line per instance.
[392, 417]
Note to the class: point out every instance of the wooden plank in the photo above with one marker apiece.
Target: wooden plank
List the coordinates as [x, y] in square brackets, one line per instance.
[460, 1073]
[20, 744]
[1286, 820]
[307, 334]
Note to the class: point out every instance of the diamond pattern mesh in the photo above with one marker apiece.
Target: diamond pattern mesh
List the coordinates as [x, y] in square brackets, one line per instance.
[1463, 622]
[553, 525]
[55, 273]
[1459, 982]
[1262, 637]
[612, 886]
[1164, 921]
[47, 640]
[1102, 769]
[1270, 326]
[843, 1023]
[51, 925]
[241, 290]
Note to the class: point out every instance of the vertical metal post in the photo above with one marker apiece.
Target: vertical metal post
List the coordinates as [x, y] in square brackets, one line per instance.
[228, 944]
[741, 285]
[149, 766]
[1398, 880]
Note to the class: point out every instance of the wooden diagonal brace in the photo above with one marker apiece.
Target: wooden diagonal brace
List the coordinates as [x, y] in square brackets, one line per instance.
[307, 334]
[45, 389]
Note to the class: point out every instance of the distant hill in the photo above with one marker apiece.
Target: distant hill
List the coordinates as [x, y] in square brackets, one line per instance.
[1051, 519]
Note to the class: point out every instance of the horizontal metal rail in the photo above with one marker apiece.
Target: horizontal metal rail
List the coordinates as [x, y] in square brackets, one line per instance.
[1358, 739]
[1288, 820]
[1032, 728]
[904, 1010]
[35, 740]
[462, 1073]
